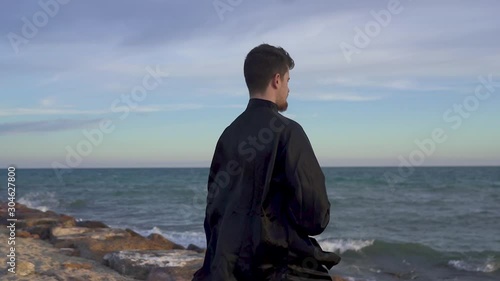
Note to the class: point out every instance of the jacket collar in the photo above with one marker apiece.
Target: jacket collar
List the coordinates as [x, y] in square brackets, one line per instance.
[256, 103]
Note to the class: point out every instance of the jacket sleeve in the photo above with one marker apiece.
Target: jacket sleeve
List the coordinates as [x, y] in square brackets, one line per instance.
[308, 207]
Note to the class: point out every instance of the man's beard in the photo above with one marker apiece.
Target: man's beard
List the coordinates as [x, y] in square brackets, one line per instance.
[282, 107]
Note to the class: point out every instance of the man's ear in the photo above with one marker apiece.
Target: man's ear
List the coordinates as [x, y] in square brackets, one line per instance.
[276, 80]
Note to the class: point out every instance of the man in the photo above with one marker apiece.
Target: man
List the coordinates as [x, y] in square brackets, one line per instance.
[266, 190]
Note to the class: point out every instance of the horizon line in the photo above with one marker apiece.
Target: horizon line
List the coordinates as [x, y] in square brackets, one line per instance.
[207, 167]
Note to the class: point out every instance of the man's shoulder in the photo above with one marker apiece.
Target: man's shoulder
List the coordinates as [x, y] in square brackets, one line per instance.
[275, 121]
[291, 125]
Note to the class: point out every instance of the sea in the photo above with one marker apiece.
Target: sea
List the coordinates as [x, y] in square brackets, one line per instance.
[425, 223]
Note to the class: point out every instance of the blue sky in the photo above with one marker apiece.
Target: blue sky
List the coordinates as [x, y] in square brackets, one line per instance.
[67, 67]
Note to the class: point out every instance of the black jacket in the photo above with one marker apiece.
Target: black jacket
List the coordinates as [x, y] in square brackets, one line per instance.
[266, 195]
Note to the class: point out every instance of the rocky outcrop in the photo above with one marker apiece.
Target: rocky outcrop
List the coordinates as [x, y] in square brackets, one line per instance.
[152, 258]
[96, 249]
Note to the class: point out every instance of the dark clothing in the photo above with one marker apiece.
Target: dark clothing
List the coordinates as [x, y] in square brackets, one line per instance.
[266, 195]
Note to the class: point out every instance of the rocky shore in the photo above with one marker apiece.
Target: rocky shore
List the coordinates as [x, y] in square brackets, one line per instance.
[51, 246]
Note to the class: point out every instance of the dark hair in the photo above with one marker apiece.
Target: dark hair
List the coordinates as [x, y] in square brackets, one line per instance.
[262, 63]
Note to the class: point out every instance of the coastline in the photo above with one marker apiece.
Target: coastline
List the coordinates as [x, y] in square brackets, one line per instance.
[51, 246]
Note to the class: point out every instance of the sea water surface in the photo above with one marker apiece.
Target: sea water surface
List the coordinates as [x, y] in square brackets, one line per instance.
[439, 223]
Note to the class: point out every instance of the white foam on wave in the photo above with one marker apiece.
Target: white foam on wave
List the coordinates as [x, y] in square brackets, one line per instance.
[42, 201]
[173, 258]
[198, 238]
[343, 245]
[487, 265]
[188, 237]
[181, 238]
[155, 230]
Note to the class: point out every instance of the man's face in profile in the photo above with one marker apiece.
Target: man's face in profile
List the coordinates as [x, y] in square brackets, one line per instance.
[283, 91]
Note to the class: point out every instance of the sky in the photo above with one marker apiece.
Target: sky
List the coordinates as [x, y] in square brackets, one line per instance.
[153, 83]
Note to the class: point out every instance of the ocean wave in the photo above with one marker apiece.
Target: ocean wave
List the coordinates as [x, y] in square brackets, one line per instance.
[488, 265]
[181, 238]
[343, 245]
[77, 204]
[189, 237]
[42, 201]
[155, 230]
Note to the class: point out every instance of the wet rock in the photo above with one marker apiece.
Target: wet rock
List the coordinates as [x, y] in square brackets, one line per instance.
[195, 248]
[42, 231]
[91, 224]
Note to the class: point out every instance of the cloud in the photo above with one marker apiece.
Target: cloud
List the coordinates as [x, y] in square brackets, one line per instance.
[204, 56]
[337, 97]
[45, 126]
[139, 109]
[47, 102]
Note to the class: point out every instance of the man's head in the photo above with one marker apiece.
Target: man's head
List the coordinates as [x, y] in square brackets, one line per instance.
[267, 71]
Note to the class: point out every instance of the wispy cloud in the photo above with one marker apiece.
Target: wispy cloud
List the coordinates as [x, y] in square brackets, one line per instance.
[45, 126]
[140, 109]
[74, 67]
[337, 97]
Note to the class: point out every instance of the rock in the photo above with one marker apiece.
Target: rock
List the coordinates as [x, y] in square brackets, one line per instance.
[29, 222]
[338, 278]
[195, 248]
[94, 243]
[139, 264]
[133, 233]
[67, 221]
[67, 231]
[169, 245]
[72, 265]
[24, 268]
[160, 274]
[23, 234]
[184, 273]
[91, 224]
[35, 236]
[96, 249]
[68, 252]
[62, 237]
[29, 218]
[38, 222]
[42, 231]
